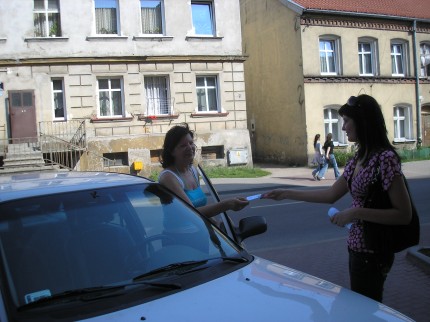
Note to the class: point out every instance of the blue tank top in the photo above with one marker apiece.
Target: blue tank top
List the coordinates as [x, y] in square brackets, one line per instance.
[196, 196]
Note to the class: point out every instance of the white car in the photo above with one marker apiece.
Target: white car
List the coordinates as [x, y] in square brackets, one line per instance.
[114, 247]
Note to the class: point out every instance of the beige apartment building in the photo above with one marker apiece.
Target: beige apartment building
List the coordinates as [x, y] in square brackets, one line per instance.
[305, 58]
[96, 84]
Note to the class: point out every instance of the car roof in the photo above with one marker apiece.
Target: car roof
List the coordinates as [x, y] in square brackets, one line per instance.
[30, 184]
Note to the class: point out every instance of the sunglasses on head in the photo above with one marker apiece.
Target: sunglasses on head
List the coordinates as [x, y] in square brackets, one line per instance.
[353, 101]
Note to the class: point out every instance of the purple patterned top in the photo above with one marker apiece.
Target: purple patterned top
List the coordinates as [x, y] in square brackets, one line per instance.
[390, 166]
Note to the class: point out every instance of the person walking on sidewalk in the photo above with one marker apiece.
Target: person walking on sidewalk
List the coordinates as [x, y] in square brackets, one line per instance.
[364, 124]
[319, 156]
[329, 158]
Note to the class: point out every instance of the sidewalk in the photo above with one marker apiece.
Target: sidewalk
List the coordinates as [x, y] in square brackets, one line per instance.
[408, 285]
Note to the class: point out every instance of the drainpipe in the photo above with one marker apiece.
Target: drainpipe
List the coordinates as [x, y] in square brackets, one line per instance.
[417, 85]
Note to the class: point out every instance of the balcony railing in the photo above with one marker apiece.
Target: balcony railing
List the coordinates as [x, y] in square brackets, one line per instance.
[158, 106]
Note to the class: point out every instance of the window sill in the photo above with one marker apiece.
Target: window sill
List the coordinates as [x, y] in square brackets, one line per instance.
[202, 37]
[106, 37]
[112, 119]
[153, 38]
[152, 118]
[209, 114]
[42, 39]
[404, 141]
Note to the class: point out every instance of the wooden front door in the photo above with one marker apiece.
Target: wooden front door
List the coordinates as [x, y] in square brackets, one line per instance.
[22, 113]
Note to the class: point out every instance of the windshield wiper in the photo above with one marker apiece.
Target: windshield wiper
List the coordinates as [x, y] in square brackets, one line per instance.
[191, 266]
[93, 293]
[170, 267]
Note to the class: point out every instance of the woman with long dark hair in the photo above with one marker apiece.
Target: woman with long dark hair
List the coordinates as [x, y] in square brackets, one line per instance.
[364, 124]
[318, 157]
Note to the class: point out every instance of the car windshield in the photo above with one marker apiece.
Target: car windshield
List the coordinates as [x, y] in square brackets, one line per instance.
[85, 239]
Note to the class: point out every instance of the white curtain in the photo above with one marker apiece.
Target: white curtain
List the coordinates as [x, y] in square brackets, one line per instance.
[156, 96]
[106, 21]
[151, 20]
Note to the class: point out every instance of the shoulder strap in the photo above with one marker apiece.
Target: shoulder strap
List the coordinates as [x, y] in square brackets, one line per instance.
[177, 177]
[196, 175]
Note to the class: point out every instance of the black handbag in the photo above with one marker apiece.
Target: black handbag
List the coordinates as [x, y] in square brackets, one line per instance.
[388, 238]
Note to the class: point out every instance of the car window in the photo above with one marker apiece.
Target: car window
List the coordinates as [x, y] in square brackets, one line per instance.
[56, 243]
[222, 220]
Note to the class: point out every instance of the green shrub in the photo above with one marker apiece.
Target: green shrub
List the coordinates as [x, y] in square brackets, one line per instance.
[342, 157]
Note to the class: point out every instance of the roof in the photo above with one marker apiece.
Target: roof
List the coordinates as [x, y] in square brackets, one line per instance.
[24, 185]
[419, 9]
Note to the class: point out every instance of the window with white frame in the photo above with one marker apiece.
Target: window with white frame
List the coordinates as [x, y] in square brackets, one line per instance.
[106, 12]
[110, 97]
[367, 57]
[158, 100]
[58, 102]
[46, 18]
[402, 126]
[333, 125]
[398, 58]
[203, 17]
[329, 55]
[207, 93]
[425, 59]
[151, 12]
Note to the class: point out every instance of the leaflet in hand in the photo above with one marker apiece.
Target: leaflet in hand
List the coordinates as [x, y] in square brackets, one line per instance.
[332, 211]
[249, 198]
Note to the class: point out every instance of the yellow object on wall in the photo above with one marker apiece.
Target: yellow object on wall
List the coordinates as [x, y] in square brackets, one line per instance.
[137, 165]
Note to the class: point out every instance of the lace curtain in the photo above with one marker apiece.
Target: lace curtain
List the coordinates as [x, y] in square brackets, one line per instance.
[151, 20]
[106, 21]
[156, 96]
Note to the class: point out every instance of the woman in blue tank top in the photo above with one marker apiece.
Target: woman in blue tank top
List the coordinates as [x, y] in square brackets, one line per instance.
[180, 176]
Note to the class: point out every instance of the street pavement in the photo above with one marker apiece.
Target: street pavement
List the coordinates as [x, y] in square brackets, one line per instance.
[407, 288]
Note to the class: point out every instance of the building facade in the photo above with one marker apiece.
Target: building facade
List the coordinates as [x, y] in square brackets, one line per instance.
[110, 77]
[307, 57]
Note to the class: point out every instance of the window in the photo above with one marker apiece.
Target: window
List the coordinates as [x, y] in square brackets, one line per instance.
[207, 93]
[212, 152]
[402, 127]
[203, 17]
[106, 16]
[110, 97]
[46, 18]
[329, 62]
[332, 124]
[58, 99]
[152, 16]
[158, 99]
[367, 57]
[398, 58]
[425, 60]
[115, 159]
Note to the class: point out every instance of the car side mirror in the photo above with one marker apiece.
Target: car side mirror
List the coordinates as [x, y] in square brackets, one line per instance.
[250, 226]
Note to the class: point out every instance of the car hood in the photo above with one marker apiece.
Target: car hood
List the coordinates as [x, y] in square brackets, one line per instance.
[262, 290]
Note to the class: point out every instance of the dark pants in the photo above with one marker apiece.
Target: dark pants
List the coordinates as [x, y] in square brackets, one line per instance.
[368, 272]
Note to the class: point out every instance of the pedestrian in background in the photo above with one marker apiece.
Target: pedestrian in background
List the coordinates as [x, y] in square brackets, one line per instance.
[330, 158]
[318, 157]
[364, 124]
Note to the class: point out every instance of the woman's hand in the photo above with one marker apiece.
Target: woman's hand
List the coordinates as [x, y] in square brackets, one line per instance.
[343, 217]
[237, 204]
[277, 194]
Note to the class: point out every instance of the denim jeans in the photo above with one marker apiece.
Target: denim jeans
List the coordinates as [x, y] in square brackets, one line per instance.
[332, 161]
[368, 272]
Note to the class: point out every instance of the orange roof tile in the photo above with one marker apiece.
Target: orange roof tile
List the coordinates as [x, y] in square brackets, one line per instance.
[419, 9]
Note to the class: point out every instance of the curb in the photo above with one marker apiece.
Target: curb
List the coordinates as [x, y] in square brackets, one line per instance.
[420, 260]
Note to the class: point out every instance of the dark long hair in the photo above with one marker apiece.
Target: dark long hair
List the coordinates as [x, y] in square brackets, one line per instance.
[317, 137]
[171, 140]
[369, 124]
